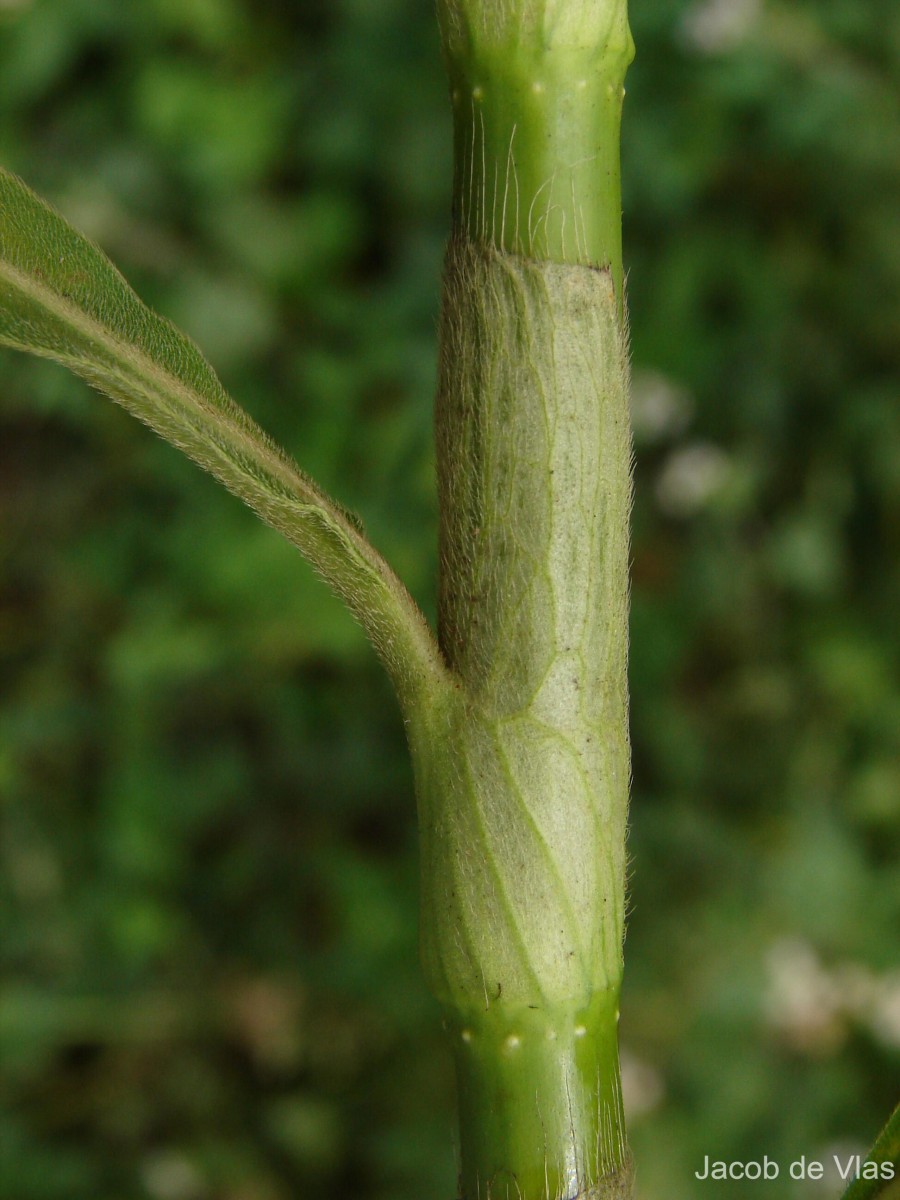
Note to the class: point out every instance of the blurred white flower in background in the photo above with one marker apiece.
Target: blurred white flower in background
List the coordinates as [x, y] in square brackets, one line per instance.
[643, 1089]
[813, 1008]
[885, 1016]
[660, 409]
[802, 1001]
[716, 26]
[690, 477]
[170, 1175]
[693, 472]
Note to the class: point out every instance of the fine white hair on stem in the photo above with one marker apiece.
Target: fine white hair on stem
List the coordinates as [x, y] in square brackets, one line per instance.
[532, 229]
[483, 174]
[577, 210]
[510, 163]
[473, 199]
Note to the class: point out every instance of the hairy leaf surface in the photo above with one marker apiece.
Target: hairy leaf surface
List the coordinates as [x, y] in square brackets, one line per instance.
[61, 298]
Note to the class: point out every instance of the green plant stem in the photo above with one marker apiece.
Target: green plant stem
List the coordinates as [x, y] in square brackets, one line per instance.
[540, 1102]
[522, 772]
[536, 139]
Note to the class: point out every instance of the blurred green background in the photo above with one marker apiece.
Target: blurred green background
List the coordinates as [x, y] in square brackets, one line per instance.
[210, 986]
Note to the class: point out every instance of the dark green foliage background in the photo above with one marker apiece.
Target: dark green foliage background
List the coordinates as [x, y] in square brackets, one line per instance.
[210, 984]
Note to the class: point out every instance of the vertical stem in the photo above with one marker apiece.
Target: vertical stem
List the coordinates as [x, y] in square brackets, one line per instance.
[537, 108]
[522, 773]
[523, 789]
[540, 1099]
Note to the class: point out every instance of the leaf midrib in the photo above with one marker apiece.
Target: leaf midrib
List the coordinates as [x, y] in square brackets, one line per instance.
[145, 369]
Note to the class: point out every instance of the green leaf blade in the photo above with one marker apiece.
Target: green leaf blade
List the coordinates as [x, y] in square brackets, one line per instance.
[886, 1155]
[62, 299]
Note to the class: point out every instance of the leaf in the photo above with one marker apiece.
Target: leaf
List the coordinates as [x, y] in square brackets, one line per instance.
[61, 298]
[886, 1154]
